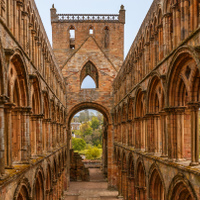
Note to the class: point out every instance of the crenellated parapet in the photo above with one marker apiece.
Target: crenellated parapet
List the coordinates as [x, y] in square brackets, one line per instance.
[88, 18]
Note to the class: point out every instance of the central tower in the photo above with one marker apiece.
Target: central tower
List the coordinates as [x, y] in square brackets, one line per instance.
[70, 32]
[90, 45]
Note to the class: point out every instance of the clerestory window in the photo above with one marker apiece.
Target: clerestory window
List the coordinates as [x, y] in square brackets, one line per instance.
[72, 37]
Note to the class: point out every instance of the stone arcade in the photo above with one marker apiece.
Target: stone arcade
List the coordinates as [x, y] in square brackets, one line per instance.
[150, 100]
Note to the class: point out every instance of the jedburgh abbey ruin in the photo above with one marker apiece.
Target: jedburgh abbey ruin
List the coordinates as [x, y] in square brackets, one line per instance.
[150, 101]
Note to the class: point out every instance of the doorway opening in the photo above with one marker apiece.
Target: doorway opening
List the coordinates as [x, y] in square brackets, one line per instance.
[89, 146]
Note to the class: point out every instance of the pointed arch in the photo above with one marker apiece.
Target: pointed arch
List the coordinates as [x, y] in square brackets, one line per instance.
[38, 186]
[156, 184]
[23, 190]
[181, 189]
[140, 180]
[89, 69]
[36, 95]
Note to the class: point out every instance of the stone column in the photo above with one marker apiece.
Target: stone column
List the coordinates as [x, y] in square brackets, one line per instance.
[179, 133]
[25, 137]
[64, 135]
[163, 130]
[45, 135]
[38, 132]
[194, 123]
[145, 133]
[49, 148]
[170, 130]
[8, 134]
[167, 33]
[3, 100]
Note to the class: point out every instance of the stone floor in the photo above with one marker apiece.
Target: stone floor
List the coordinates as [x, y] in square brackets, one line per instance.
[95, 189]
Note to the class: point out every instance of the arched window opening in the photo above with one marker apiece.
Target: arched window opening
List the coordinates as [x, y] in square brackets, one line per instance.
[88, 83]
[89, 76]
[72, 37]
[91, 31]
[106, 37]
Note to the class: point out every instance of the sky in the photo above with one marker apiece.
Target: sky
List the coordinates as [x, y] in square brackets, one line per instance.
[136, 11]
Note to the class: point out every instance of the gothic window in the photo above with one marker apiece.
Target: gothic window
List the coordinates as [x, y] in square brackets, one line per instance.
[106, 37]
[72, 37]
[88, 82]
[89, 76]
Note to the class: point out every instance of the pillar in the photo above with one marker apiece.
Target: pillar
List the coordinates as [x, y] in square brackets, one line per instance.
[194, 123]
[3, 100]
[25, 137]
[8, 134]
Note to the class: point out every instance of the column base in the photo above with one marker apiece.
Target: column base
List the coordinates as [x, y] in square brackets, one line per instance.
[194, 163]
[120, 197]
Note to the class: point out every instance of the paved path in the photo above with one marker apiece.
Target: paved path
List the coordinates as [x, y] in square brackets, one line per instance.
[96, 189]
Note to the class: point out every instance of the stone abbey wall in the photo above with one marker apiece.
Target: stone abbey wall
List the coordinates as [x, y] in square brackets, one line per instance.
[156, 106]
[150, 101]
[33, 140]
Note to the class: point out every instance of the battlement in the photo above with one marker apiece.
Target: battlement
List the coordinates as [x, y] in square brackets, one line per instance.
[101, 18]
[86, 18]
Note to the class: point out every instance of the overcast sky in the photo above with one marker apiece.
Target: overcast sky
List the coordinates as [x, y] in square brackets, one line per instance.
[136, 11]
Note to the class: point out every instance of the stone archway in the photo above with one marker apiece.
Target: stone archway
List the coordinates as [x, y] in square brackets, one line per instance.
[107, 135]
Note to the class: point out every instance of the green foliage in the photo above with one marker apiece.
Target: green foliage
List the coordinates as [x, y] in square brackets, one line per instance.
[95, 123]
[77, 132]
[90, 132]
[86, 129]
[93, 153]
[97, 137]
[78, 144]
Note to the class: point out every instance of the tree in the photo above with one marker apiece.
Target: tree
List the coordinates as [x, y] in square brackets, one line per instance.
[86, 129]
[95, 123]
[97, 137]
[78, 144]
[92, 153]
[84, 116]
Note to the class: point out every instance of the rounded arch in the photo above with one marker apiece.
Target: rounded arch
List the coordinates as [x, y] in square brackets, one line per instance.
[17, 74]
[157, 190]
[139, 103]
[181, 189]
[23, 190]
[89, 69]
[180, 66]
[88, 105]
[155, 94]
[36, 94]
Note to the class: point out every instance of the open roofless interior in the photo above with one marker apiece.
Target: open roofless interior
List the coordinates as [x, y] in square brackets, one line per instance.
[149, 102]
